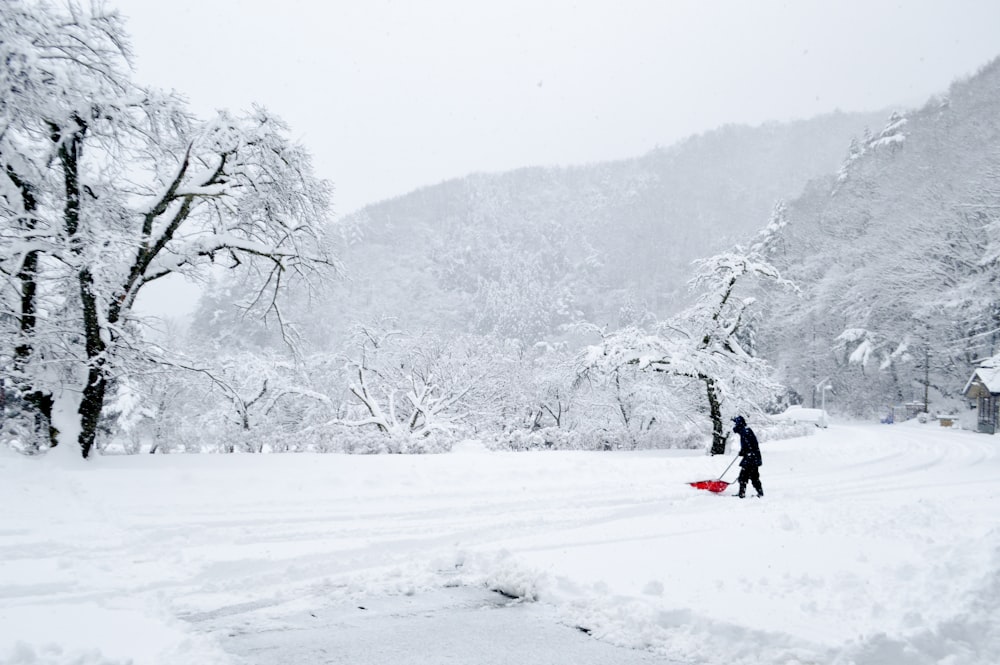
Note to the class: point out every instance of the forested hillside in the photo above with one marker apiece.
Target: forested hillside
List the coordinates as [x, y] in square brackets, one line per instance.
[450, 317]
[896, 255]
[449, 320]
[519, 253]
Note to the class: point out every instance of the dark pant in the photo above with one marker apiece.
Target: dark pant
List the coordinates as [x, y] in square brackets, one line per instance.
[751, 473]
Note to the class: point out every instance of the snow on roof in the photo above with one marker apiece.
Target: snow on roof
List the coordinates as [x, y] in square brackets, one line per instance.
[988, 373]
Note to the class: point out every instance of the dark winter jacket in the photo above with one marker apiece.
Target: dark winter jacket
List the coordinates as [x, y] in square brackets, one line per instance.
[749, 448]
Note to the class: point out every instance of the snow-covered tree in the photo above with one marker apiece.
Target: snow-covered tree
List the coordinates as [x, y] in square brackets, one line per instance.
[891, 138]
[410, 391]
[707, 343]
[106, 186]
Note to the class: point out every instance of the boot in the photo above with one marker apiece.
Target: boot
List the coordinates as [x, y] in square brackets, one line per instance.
[743, 490]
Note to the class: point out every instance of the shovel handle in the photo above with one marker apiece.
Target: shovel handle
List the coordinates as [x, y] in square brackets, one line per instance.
[730, 466]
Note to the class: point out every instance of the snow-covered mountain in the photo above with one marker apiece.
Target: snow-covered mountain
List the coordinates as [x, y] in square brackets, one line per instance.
[896, 254]
[520, 253]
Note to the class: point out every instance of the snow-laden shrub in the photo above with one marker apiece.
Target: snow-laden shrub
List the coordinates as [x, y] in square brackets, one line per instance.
[551, 438]
[362, 441]
[685, 437]
[554, 438]
[18, 433]
[546, 438]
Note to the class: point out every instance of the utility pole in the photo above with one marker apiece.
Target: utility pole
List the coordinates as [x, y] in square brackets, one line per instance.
[821, 387]
[927, 379]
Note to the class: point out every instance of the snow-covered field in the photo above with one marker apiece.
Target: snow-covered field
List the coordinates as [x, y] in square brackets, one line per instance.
[874, 545]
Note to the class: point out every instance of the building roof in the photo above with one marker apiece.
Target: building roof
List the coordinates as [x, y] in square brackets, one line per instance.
[988, 374]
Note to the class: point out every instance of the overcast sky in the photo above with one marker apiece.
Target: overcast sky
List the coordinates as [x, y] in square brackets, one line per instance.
[390, 96]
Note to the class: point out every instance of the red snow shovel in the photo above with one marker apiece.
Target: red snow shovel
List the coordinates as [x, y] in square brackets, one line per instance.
[716, 486]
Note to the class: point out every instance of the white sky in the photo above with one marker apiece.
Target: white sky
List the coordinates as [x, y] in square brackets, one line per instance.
[390, 96]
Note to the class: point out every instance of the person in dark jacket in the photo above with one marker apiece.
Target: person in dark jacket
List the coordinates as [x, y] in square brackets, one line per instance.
[750, 452]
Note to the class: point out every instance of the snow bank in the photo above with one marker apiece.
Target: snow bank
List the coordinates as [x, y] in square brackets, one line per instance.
[87, 633]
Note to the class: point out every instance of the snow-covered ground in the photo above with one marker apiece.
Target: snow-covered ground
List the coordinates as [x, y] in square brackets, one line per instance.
[875, 544]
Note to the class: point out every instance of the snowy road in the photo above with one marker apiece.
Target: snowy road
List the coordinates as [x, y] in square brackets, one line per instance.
[875, 544]
[456, 625]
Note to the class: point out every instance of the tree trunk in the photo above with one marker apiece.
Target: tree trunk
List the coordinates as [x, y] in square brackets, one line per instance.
[40, 402]
[90, 407]
[715, 411]
[92, 402]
